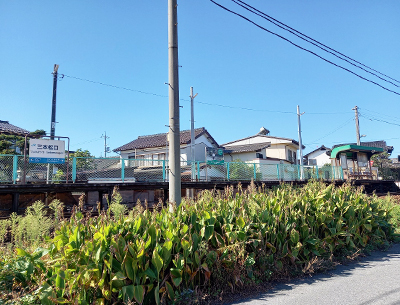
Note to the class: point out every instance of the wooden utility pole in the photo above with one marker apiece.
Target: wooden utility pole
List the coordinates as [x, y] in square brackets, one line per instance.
[174, 128]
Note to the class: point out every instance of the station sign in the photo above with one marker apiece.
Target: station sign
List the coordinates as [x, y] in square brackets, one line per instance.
[46, 151]
[214, 156]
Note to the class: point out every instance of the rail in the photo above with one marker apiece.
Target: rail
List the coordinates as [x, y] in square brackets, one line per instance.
[117, 170]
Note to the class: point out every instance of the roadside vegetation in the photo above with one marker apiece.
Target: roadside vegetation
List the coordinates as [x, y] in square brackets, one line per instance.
[221, 242]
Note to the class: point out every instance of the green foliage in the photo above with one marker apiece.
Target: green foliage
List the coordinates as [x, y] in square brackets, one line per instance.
[224, 239]
[84, 159]
[59, 176]
[241, 171]
[10, 144]
[385, 168]
[32, 228]
[116, 207]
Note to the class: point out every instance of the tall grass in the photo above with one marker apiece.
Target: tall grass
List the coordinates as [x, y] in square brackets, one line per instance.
[221, 240]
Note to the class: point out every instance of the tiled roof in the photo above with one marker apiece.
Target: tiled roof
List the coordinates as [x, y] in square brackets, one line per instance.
[246, 148]
[7, 128]
[380, 144]
[159, 140]
[323, 147]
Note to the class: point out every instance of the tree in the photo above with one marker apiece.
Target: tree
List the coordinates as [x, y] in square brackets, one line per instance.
[14, 145]
[242, 171]
[84, 159]
[385, 166]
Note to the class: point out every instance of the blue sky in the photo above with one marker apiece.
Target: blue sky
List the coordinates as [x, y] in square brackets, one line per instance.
[226, 59]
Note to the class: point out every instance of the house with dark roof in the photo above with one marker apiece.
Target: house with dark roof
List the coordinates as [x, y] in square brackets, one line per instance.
[154, 148]
[9, 129]
[318, 156]
[262, 148]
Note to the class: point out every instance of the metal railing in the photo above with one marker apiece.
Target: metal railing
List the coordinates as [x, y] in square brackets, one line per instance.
[97, 170]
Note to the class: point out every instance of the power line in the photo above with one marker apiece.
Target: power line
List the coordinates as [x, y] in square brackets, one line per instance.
[375, 119]
[198, 102]
[313, 41]
[304, 49]
[381, 114]
[113, 86]
[333, 131]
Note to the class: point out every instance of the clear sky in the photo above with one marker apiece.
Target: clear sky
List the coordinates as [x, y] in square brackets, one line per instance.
[226, 59]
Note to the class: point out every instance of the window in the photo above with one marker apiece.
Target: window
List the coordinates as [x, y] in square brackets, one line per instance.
[290, 155]
[259, 156]
[312, 161]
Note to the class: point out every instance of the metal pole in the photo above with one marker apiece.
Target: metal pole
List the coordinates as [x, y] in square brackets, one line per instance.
[174, 131]
[300, 142]
[357, 125]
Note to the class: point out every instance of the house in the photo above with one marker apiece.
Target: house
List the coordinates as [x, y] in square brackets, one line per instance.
[318, 156]
[154, 148]
[262, 148]
[7, 128]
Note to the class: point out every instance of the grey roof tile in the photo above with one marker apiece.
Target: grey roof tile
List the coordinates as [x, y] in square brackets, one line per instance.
[7, 128]
[159, 140]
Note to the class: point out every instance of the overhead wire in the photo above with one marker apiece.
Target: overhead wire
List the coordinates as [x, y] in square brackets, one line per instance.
[376, 119]
[196, 101]
[313, 41]
[333, 131]
[302, 48]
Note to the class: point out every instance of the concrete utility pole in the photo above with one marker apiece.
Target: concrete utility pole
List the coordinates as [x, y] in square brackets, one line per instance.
[300, 142]
[53, 106]
[105, 143]
[357, 125]
[299, 128]
[174, 128]
[192, 155]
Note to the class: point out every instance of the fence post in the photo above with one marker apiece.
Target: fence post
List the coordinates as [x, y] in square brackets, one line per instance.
[163, 170]
[228, 174]
[277, 171]
[316, 171]
[198, 170]
[333, 173]
[255, 172]
[73, 169]
[298, 172]
[341, 172]
[123, 170]
[15, 167]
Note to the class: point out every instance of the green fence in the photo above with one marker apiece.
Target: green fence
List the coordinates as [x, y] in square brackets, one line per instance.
[96, 170]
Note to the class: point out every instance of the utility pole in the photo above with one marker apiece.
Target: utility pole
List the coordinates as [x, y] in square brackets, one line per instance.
[53, 117]
[357, 125]
[53, 105]
[174, 128]
[105, 143]
[300, 141]
[192, 146]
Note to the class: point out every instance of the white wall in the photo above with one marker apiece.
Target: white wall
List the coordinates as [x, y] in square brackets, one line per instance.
[321, 157]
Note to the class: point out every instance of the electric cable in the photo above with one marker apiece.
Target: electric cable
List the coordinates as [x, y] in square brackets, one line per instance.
[312, 41]
[304, 49]
[333, 131]
[196, 101]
